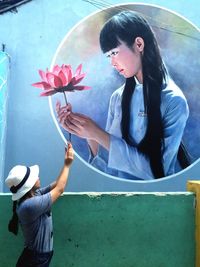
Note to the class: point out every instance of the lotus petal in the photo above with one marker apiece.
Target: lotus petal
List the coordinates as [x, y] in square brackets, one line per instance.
[77, 79]
[56, 69]
[42, 85]
[54, 80]
[67, 70]
[78, 70]
[81, 87]
[63, 77]
[48, 93]
[42, 75]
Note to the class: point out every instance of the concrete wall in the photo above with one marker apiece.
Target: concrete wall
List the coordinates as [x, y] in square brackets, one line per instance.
[32, 37]
[4, 77]
[114, 230]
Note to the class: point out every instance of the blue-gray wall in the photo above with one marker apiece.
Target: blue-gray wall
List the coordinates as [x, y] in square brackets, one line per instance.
[32, 36]
[4, 74]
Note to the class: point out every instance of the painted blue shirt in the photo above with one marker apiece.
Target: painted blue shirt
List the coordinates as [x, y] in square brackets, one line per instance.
[125, 161]
[36, 221]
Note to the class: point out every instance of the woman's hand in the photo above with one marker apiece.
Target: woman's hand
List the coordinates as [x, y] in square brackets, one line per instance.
[81, 125]
[63, 112]
[76, 123]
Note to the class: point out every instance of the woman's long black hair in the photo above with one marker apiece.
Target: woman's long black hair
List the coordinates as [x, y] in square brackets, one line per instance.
[126, 26]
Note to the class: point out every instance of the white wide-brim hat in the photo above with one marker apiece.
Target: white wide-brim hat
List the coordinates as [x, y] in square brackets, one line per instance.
[16, 176]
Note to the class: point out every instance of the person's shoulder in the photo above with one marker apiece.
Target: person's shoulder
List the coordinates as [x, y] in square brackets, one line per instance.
[25, 207]
[117, 94]
[172, 90]
[27, 203]
[30, 203]
[173, 99]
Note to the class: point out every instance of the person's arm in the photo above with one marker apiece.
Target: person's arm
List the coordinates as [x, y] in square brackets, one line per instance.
[59, 186]
[129, 159]
[174, 125]
[93, 146]
[53, 185]
[46, 189]
[98, 154]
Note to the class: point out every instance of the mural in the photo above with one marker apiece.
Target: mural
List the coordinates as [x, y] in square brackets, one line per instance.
[178, 45]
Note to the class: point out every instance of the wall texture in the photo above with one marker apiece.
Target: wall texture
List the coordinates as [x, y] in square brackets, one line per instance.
[32, 36]
[114, 230]
[4, 76]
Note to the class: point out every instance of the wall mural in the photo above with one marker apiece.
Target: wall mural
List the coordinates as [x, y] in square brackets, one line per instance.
[178, 41]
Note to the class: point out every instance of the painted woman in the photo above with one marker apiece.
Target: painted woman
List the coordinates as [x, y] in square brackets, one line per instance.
[147, 116]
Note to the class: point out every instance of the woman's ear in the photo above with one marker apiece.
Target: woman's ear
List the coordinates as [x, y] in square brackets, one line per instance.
[139, 44]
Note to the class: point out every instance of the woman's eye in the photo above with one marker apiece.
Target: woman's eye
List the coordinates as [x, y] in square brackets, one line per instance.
[114, 53]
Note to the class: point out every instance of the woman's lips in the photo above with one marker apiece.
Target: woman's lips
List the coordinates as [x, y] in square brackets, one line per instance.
[121, 71]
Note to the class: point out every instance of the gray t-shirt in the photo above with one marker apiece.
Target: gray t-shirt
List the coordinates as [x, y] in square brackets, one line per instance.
[36, 221]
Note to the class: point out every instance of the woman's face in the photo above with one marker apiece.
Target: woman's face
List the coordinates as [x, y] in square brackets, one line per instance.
[127, 61]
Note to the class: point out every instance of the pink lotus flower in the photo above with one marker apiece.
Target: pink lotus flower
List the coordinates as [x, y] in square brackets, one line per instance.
[60, 80]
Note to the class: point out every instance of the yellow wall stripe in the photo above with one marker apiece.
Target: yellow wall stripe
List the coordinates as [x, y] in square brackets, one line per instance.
[194, 186]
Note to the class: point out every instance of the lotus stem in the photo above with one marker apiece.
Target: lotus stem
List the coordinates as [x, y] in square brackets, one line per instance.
[70, 136]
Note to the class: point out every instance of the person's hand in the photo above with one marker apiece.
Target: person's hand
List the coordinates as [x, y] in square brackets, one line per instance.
[69, 154]
[81, 125]
[76, 123]
[62, 113]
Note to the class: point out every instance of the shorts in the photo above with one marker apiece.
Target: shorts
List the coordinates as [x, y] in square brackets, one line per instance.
[31, 258]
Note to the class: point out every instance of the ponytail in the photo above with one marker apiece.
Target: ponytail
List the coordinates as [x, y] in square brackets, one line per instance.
[13, 223]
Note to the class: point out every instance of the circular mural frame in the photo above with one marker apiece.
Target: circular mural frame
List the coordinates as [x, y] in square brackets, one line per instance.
[179, 49]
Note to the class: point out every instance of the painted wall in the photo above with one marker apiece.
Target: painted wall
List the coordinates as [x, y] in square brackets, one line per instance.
[32, 37]
[4, 78]
[114, 230]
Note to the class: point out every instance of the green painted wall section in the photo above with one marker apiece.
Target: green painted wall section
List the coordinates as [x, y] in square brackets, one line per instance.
[114, 230]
